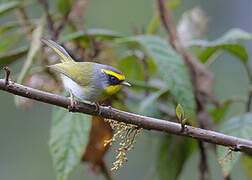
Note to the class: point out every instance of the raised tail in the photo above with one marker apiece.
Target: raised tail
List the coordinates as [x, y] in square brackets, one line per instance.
[65, 57]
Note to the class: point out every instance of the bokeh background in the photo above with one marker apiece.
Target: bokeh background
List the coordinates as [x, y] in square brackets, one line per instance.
[24, 134]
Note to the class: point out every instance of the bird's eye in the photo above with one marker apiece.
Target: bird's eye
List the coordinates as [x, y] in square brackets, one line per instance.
[113, 79]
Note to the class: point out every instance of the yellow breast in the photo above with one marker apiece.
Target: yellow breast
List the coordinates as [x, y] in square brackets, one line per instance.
[110, 90]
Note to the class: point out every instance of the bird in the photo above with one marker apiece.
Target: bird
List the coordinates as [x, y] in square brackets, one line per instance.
[88, 81]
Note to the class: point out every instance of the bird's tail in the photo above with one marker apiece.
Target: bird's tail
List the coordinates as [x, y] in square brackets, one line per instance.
[65, 57]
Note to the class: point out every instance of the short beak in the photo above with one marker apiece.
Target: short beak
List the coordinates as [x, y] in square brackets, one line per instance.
[125, 83]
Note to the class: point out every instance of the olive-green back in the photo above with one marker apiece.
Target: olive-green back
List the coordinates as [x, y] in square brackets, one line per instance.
[80, 72]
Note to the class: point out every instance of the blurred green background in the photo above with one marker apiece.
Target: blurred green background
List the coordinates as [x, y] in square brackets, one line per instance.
[24, 134]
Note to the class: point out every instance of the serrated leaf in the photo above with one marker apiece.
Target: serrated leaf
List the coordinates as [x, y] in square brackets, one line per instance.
[8, 6]
[240, 126]
[151, 98]
[11, 56]
[228, 42]
[170, 65]
[64, 6]
[103, 34]
[247, 164]
[219, 112]
[68, 140]
[172, 155]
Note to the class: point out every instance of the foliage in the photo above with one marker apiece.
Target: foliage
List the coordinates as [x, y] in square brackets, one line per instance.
[240, 126]
[68, 140]
[247, 164]
[227, 42]
[162, 85]
[9, 6]
[171, 67]
[173, 153]
[219, 113]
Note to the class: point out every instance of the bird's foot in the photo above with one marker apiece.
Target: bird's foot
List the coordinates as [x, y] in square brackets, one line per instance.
[71, 107]
[97, 108]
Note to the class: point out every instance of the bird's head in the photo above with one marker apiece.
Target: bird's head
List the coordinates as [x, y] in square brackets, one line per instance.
[115, 79]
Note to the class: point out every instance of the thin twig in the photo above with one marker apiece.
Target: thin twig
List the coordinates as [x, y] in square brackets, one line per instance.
[148, 123]
[48, 18]
[61, 26]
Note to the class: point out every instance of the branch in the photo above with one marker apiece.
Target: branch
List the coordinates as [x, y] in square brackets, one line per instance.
[148, 123]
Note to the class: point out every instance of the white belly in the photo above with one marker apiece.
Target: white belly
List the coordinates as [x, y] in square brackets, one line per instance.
[72, 86]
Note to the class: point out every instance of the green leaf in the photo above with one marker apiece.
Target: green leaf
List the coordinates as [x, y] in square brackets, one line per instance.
[172, 155]
[12, 56]
[180, 112]
[227, 42]
[64, 6]
[68, 140]
[103, 34]
[8, 26]
[151, 98]
[154, 24]
[174, 3]
[170, 65]
[8, 6]
[219, 113]
[9, 41]
[132, 67]
[247, 164]
[235, 36]
[240, 126]
[235, 49]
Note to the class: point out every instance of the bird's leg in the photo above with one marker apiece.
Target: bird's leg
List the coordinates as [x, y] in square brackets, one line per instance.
[97, 108]
[71, 107]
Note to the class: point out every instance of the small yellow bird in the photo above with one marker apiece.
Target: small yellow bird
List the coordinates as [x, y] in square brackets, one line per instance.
[86, 80]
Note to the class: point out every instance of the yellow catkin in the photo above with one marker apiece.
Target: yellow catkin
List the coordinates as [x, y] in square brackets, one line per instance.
[126, 133]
